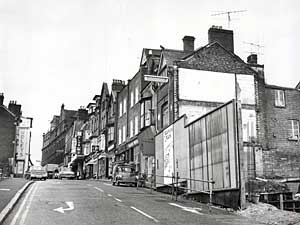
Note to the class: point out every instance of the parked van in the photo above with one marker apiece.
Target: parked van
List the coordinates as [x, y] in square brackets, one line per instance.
[124, 174]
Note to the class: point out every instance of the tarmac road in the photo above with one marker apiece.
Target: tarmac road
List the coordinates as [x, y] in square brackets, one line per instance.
[75, 202]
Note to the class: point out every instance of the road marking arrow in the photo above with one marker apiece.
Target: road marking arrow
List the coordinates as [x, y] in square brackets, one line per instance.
[188, 209]
[62, 210]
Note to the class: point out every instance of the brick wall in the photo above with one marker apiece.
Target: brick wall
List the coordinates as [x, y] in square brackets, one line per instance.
[281, 155]
[7, 135]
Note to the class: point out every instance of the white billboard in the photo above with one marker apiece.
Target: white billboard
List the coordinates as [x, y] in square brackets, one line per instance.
[168, 147]
[200, 85]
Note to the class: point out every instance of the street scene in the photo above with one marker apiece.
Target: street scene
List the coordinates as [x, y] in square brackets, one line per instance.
[149, 112]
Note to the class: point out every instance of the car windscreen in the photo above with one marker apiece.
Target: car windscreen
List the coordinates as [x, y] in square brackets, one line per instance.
[126, 169]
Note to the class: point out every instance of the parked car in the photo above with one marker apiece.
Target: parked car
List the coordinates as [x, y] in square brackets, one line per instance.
[38, 172]
[66, 173]
[124, 174]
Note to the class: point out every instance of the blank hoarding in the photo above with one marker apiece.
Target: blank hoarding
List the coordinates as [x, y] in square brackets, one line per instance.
[200, 85]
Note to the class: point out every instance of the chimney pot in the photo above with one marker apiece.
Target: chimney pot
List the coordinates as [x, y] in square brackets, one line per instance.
[188, 43]
[1, 98]
[252, 59]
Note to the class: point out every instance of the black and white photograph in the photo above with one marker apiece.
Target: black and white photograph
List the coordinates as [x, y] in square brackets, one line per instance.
[145, 112]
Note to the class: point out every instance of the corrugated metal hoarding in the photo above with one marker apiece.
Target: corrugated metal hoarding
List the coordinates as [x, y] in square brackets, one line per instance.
[213, 150]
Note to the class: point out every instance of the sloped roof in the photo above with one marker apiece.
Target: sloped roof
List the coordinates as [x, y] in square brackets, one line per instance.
[214, 57]
[298, 86]
[7, 110]
[171, 55]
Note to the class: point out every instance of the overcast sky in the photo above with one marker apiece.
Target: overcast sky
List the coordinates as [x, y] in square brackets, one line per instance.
[60, 51]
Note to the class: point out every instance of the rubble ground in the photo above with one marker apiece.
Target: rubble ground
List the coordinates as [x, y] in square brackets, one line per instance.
[268, 214]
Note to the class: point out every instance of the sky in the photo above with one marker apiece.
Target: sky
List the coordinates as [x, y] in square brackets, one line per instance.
[60, 51]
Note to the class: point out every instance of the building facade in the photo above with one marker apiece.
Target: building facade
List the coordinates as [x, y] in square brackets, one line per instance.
[54, 140]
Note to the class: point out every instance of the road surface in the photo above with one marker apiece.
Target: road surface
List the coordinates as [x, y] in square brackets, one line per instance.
[74, 202]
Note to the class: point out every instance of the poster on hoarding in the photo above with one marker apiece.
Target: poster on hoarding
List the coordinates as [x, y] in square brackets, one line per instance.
[22, 143]
[168, 147]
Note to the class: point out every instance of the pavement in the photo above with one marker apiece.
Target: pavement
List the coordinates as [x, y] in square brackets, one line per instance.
[11, 190]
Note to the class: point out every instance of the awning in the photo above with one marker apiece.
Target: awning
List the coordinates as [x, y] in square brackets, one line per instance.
[146, 140]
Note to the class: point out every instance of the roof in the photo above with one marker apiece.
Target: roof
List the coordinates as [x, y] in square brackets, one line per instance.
[96, 96]
[90, 104]
[69, 113]
[171, 55]
[205, 58]
[280, 87]
[6, 109]
[298, 86]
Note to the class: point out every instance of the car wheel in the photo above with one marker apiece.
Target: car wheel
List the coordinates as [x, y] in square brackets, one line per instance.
[113, 183]
[118, 183]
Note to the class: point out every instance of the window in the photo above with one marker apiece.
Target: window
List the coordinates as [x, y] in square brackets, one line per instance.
[165, 115]
[136, 95]
[131, 99]
[279, 98]
[120, 109]
[120, 136]
[131, 128]
[146, 113]
[124, 105]
[142, 114]
[124, 133]
[294, 130]
[111, 134]
[136, 127]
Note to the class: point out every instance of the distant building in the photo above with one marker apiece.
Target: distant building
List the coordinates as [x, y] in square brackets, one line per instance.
[54, 140]
[15, 139]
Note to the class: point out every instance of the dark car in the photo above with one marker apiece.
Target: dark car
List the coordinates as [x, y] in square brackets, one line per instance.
[124, 174]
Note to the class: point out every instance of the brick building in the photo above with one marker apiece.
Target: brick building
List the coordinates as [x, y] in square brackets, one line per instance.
[280, 154]
[9, 119]
[54, 140]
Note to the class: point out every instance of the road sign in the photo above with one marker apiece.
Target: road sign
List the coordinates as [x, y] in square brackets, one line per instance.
[158, 79]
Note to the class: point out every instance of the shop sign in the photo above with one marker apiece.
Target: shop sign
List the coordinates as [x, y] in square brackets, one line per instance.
[132, 144]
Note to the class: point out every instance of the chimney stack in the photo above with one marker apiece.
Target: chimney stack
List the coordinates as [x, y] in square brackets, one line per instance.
[117, 85]
[1, 98]
[15, 108]
[223, 37]
[252, 59]
[188, 43]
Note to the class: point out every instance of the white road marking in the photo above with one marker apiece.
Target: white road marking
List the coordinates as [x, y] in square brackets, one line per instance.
[99, 189]
[109, 195]
[188, 209]
[119, 200]
[107, 184]
[23, 218]
[145, 214]
[13, 222]
[62, 210]
[89, 185]
[4, 189]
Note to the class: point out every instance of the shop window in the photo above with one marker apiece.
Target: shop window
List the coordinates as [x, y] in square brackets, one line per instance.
[294, 130]
[279, 98]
